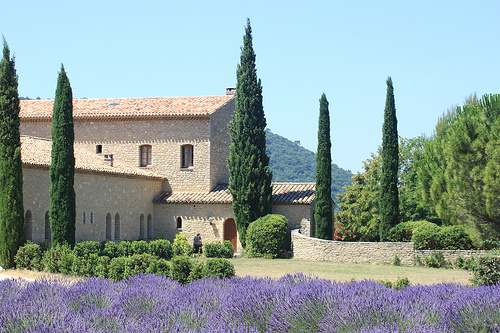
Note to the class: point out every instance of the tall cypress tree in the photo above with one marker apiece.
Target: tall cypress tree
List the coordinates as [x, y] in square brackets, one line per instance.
[62, 168]
[324, 207]
[389, 200]
[12, 227]
[250, 176]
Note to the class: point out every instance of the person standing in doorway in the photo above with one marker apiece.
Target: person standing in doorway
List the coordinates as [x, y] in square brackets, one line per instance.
[197, 244]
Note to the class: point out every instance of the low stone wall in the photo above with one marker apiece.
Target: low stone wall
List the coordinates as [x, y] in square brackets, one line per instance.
[309, 248]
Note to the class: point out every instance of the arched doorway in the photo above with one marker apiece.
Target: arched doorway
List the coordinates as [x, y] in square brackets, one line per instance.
[230, 232]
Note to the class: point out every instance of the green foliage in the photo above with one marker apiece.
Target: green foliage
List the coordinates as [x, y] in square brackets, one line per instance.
[117, 268]
[396, 261]
[181, 246]
[161, 248]
[454, 237]
[487, 269]
[139, 247]
[29, 256]
[459, 178]
[62, 167]
[426, 236]
[219, 250]
[12, 227]
[125, 248]
[86, 266]
[197, 269]
[181, 269]
[324, 205]
[267, 236]
[87, 247]
[401, 283]
[467, 264]
[436, 260]
[102, 267]
[389, 196]
[250, 176]
[51, 259]
[138, 264]
[111, 250]
[218, 267]
[159, 266]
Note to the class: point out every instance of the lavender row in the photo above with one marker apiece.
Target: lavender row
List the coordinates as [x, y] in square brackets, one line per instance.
[294, 303]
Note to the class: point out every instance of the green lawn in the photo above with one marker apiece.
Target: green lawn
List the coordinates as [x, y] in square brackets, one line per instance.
[346, 272]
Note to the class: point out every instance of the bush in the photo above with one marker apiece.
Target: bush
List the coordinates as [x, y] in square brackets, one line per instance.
[401, 283]
[137, 264]
[181, 269]
[403, 231]
[218, 267]
[196, 271]
[29, 256]
[396, 261]
[487, 269]
[161, 248]
[181, 246]
[425, 236]
[111, 250]
[117, 268]
[159, 267]
[86, 266]
[51, 259]
[266, 237]
[83, 249]
[139, 247]
[125, 249]
[454, 237]
[437, 260]
[219, 250]
[102, 268]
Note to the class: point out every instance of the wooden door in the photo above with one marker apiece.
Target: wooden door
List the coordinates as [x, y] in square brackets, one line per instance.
[230, 232]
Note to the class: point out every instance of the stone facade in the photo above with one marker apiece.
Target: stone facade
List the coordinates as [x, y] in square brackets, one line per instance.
[308, 248]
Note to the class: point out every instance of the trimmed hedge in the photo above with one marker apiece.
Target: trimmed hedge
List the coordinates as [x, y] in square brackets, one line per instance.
[266, 237]
[219, 250]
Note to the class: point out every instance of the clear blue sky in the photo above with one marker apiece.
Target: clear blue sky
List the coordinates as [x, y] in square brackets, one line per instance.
[437, 53]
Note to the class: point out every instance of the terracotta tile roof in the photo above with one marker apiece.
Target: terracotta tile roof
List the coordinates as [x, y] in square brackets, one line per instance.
[147, 107]
[36, 152]
[283, 193]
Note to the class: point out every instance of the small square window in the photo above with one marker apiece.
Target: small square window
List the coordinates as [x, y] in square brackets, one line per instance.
[98, 149]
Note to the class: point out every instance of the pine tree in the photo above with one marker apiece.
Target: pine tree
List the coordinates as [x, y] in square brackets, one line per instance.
[389, 200]
[12, 227]
[250, 176]
[62, 168]
[324, 208]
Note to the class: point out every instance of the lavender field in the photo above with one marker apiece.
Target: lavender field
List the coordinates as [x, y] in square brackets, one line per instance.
[294, 303]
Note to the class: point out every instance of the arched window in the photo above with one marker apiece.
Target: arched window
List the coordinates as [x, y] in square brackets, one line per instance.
[150, 226]
[145, 155]
[91, 217]
[83, 217]
[48, 230]
[117, 226]
[141, 227]
[178, 222]
[187, 156]
[108, 225]
[28, 218]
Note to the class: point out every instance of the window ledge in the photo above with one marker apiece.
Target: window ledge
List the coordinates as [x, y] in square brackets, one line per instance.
[187, 169]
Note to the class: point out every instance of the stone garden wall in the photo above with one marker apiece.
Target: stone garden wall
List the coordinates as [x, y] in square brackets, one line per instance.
[308, 248]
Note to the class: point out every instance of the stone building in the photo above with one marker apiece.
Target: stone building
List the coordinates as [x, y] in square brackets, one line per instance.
[145, 168]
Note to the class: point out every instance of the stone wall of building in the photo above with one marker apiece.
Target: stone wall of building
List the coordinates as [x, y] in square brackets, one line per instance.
[97, 195]
[219, 143]
[299, 216]
[308, 248]
[206, 219]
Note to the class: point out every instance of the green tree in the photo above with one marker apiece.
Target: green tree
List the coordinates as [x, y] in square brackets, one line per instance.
[324, 210]
[248, 163]
[62, 168]
[389, 201]
[460, 177]
[12, 227]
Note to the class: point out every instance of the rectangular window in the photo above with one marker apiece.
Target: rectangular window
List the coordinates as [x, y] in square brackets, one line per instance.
[187, 156]
[145, 151]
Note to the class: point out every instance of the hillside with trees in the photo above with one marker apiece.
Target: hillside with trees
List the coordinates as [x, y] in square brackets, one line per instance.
[291, 162]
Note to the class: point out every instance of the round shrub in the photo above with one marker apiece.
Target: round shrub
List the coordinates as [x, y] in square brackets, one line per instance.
[125, 248]
[86, 265]
[137, 264]
[29, 256]
[426, 236]
[218, 267]
[454, 237]
[102, 267]
[266, 237]
[117, 268]
[111, 250]
[197, 272]
[161, 248]
[181, 269]
[139, 247]
[159, 267]
[85, 248]
[51, 259]
[219, 250]
[181, 246]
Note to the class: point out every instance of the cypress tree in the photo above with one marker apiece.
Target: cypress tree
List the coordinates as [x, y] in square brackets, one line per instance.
[248, 163]
[324, 207]
[12, 227]
[62, 168]
[389, 200]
